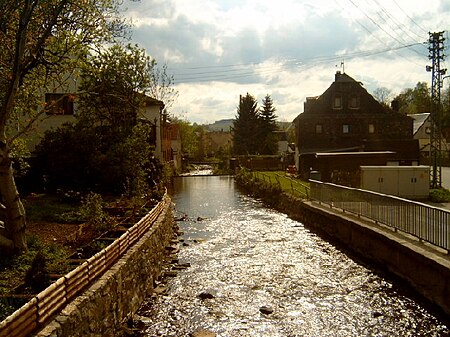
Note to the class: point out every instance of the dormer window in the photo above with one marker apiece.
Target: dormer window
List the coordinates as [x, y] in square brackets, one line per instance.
[353, 102]
[337, 102]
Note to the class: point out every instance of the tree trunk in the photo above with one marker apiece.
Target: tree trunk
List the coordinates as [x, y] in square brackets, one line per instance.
[13, 238]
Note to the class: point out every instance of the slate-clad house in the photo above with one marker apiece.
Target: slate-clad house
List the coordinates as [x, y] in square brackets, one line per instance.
[347, 119]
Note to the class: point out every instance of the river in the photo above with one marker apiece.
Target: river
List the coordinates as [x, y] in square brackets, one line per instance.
[255, 272]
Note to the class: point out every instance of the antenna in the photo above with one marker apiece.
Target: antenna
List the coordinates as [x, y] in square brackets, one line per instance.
[342, 65]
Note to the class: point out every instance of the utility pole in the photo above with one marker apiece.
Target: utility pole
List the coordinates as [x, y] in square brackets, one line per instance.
[436, 46]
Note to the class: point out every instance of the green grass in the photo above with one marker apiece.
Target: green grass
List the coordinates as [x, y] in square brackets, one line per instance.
[51, 208]
[13, 271]
[294, 186]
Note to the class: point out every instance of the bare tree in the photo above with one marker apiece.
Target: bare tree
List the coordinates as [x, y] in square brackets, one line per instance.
[383, 95]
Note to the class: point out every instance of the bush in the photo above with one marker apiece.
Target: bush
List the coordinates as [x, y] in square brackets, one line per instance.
[91, 211]
[37, 276]
[78, 158]
[440, 195]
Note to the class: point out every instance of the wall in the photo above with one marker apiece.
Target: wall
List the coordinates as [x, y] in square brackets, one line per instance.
[110, 302]
[422, 267]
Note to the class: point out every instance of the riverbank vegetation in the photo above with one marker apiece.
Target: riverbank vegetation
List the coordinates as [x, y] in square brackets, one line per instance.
[269, 185]
[71, 188]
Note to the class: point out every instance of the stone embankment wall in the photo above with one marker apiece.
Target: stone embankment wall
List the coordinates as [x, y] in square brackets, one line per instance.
[105, 307]
[424, 268]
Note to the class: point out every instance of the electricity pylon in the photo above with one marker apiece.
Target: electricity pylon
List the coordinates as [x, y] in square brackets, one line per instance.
[436, 46]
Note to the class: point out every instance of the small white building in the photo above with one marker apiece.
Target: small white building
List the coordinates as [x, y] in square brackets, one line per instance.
[412, 182]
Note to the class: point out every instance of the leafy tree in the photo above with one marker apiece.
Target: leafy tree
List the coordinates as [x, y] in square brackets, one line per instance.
[414, 100]
[267, 117]
[107, 149]
[63, 159]
[114, 83]
[246, 126]
[202, 147]
[189, 138]
[40, 41]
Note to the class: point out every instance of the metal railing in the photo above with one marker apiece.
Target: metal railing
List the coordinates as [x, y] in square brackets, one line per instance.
[41, 308]
[427, 223]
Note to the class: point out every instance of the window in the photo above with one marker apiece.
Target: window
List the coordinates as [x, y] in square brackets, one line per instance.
[337, 102]
[371, 128]
[353, 102]
[346, 128]
[319, 128]
[59, 104]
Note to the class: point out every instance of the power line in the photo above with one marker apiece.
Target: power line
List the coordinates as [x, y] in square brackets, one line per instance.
[410, 18]
[234, 71]
[373, 35]
[397, 23]
[378, 25]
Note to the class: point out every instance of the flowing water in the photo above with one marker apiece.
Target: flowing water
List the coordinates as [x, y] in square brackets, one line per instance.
[263, 274]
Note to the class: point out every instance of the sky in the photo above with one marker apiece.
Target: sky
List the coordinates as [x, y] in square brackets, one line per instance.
[288, 49]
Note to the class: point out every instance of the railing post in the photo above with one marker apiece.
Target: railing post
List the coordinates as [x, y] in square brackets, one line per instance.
[37, 311]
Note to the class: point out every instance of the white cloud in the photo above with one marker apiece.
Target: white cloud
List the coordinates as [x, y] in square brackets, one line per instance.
[290, 49]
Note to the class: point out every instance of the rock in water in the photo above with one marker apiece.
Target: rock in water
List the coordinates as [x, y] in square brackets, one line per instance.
[206, 295]
[266, 310]
[203, 333]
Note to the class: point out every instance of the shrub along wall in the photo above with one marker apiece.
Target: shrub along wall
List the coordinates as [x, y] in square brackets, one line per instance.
[110, 302]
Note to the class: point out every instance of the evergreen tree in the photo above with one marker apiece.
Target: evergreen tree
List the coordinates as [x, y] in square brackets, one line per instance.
[246, 126]
[267, 126]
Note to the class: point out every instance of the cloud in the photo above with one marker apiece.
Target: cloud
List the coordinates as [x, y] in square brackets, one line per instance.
[290, 49]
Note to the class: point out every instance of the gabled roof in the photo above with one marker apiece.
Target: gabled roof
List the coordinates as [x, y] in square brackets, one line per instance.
[344, 87]
[419, 120]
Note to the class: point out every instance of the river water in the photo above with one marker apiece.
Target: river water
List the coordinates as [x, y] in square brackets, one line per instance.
[266, 275]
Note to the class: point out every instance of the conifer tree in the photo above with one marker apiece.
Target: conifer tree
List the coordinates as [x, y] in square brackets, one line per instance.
[268, 140]
[246, 126]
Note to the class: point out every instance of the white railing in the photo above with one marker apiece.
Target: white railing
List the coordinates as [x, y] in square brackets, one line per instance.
[428, 223]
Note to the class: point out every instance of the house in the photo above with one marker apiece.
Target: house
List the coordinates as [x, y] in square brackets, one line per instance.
[422, 132]
[61, 105]
[171, 144]
[219, 141]
[347, 121]
[151, 112]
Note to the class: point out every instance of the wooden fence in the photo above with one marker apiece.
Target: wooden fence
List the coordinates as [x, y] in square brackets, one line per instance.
[40, 309]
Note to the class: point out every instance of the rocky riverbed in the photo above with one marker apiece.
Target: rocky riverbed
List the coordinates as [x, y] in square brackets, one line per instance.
[244, 270]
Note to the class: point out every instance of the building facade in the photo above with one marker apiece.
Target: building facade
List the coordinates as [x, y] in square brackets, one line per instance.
[346, 118]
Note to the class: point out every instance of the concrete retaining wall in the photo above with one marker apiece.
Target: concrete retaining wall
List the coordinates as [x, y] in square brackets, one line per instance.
[426, 269]
[108, 304]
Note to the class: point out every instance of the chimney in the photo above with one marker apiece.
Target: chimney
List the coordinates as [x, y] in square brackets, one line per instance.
[338, 75]
[395, 105]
